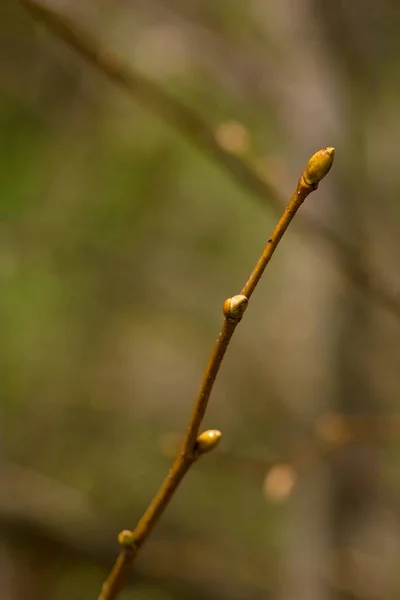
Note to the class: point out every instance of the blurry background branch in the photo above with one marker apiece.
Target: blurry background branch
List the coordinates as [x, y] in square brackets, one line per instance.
[39, 506]
[190, 124]
[38, 510]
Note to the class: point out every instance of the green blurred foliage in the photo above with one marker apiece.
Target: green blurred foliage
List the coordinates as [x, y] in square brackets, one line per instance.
[119, 240]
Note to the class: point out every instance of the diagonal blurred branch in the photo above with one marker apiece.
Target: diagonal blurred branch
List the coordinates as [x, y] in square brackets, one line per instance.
[37, 506]
[191, 125]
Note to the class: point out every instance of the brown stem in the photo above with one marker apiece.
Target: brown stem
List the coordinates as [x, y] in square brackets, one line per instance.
[297, 199]
[233, 310]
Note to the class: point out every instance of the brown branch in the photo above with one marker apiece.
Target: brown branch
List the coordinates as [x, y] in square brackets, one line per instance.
[194, 445]
[153, 97]
[190, 124]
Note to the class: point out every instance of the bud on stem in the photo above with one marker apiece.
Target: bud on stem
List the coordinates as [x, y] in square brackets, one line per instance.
[207, 440]
[319, 166]
[234, 307]
[125, 538]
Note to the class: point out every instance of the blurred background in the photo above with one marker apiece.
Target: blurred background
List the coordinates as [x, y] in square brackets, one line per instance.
[127, 217]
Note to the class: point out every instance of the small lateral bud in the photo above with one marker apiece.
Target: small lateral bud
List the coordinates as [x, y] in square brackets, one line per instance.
[125, 538]
[208, 440]
[234, 307]
[319, 166]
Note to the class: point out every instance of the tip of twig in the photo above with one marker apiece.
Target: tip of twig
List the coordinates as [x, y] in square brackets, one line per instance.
[319, 165]
[207, 441]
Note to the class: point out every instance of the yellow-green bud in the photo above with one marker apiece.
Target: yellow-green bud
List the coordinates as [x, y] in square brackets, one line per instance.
[234, 307]
[319, 166]
[125, 538]
[207, 440]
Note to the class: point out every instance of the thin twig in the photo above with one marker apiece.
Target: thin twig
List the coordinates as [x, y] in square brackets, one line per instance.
[194, 445]
[191, 125]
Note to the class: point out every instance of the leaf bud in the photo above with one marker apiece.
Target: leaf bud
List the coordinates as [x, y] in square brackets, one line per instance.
[234, 307]
[319, 166]
[207, 440]
[125, 538]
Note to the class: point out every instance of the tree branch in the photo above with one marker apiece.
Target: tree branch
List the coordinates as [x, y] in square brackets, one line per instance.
[194, 445]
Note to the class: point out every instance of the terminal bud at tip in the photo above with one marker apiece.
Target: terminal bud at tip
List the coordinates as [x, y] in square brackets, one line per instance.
[319, 166]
